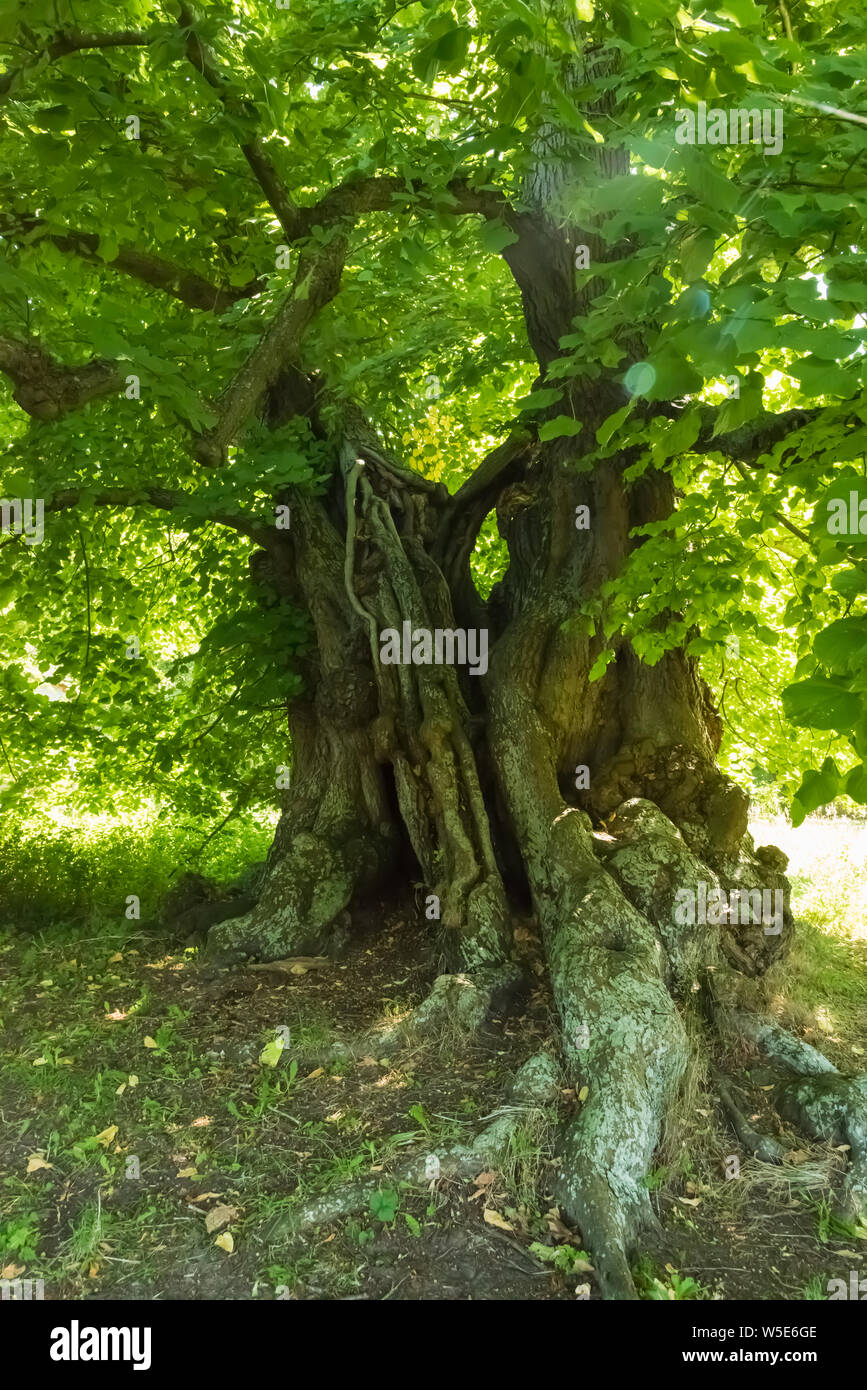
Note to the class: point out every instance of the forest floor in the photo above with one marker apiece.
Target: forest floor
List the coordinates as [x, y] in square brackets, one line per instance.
[147, 1153]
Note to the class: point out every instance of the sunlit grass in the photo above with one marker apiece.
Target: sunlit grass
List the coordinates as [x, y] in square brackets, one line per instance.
[65, 870]
[822, 986]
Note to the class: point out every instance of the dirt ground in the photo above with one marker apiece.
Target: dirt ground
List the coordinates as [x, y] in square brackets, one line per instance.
[147, 1153]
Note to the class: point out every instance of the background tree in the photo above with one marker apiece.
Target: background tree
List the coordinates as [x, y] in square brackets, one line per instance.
[246, 251]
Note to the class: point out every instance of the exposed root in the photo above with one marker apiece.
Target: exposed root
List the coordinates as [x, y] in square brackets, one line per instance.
[623, 1037]
[776, 1043]
[651, 862]
[820, 1100]
[834, 1108]
[452, 1013]
[761, 1146]
[535, 1086]
[632, 1064]
[304, 895]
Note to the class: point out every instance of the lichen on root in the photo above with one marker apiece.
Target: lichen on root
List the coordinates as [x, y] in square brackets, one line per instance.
[820, 1100]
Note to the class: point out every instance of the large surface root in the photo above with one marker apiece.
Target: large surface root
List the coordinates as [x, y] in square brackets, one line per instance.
[304, 895]
[450, 1016]
[624, 1041]
[819, 1099]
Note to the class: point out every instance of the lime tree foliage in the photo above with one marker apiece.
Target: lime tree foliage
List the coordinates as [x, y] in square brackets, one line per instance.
[536, 322]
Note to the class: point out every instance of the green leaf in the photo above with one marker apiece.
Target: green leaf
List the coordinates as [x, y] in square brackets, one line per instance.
[820, 378]
[538, 400]
[559, 427]
[384, 1204]
[838, 645]
[851, 583]
[613, 423]
[856, 783]
[819, 704]
[272, 1052]
[817, 789]
[743, 12]
[496, 235]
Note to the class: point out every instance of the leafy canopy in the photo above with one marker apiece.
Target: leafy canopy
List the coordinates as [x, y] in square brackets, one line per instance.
[167, 256]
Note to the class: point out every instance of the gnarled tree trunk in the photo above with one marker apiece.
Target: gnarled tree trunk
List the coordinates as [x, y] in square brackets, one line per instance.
[526, 777]
[473, 777]
[475, 774]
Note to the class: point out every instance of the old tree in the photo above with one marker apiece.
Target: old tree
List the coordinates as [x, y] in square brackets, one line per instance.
[323, 318]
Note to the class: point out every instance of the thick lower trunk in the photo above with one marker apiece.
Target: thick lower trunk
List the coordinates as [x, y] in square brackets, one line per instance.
[474, 780]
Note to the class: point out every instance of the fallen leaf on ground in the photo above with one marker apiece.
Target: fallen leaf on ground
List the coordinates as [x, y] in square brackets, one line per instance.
[187, 1173]
[226, 1242]
[272, 1052]
[556, 1227]
[149, 1042]
[203, 1196]
[290, 966]
[11, 1271]
[320, 1071]
[35, 1162]
[583, 1093]
[107, 1135]
[485, 1178]
[494, 1218]
[220, 1216]
[132, 1080]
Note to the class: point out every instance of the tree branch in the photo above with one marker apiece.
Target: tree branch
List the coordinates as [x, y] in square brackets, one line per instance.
[73, 41]
[45, 388]
[378, 193]
[749, 441]
[166, 500]
[317, 281]
[163, 498]
[263, 170]
[778, 516]
[375, 194]
[189, 287]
